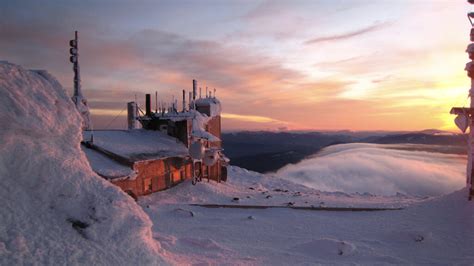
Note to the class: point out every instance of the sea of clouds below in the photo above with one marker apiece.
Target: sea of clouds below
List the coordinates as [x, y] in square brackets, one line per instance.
[380, 170]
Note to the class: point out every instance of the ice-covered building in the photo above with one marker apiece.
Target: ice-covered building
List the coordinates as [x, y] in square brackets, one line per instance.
[169, 147]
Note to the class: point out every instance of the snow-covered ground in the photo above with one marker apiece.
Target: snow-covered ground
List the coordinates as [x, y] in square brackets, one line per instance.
[435, 231]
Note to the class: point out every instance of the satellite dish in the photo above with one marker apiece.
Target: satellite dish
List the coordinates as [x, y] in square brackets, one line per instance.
[462, 122]
[210, 158]
[196, 150]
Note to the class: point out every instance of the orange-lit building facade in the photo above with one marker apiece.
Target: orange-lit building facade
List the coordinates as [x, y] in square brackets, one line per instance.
[172, 134]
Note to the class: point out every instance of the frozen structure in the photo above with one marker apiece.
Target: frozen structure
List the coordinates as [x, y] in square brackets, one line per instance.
[465, 116]
[171, 146]
[78, 98]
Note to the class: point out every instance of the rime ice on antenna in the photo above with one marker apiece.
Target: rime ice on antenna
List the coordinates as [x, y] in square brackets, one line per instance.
[465, 116]
[78, 98]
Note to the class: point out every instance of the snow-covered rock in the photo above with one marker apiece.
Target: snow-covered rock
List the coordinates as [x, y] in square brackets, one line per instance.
[55, 209]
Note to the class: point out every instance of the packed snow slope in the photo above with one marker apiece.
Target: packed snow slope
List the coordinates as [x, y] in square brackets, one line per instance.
[380, 169]
[434, 231]
[55, 209]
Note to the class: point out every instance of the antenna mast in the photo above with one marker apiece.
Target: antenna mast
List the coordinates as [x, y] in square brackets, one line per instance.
[74, 51]
[78, 98]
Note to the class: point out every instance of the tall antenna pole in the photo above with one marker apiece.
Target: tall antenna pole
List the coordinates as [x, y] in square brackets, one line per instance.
[78, 98]
[74, 51]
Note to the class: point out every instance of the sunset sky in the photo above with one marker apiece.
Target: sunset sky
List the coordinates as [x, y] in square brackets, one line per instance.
[322, 65]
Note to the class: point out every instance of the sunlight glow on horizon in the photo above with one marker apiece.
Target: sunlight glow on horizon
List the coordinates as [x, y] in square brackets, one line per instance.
[318, 65]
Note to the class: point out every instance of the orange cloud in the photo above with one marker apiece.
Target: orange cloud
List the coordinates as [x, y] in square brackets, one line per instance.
[252, 118]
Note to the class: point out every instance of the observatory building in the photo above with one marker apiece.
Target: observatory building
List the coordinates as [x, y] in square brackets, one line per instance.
[161, 148]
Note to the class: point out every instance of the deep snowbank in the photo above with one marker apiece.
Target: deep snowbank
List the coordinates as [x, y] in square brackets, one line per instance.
[55, 210]
[379, 169]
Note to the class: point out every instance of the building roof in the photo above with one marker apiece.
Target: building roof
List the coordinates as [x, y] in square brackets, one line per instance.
[107, 167]
[137, 145]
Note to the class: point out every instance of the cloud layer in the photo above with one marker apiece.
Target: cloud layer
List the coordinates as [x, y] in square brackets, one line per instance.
[380, 170]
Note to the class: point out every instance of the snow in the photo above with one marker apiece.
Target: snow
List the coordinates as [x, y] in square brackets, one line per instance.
[107, 167]
[432, 232]
[254, 189]
[199, 127]
[138, 144]
[83, 109]
[55, 209]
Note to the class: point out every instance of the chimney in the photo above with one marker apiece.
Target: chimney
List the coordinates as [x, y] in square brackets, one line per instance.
[148, 104]
[184, 100]
[194, 89]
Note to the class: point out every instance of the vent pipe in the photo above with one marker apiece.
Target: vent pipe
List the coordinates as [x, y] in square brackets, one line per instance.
[148, 104]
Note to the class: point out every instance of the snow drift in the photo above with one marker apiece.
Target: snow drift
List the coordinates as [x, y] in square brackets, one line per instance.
[55, 209]
[379, 169]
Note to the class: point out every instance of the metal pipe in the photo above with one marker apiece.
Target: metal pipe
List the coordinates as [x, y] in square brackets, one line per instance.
[184, 100]
[148, 104]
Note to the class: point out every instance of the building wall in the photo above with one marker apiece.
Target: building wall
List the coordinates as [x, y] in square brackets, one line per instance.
[160, 174]
[214, 127]
[156, 175]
